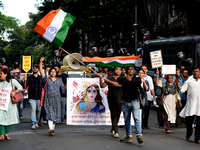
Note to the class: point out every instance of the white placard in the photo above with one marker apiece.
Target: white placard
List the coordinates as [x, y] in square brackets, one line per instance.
[4, 98]
[81, 106]
[156, 59]
[168, 69]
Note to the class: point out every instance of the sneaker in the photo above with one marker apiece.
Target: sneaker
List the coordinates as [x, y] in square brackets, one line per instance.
[127, 139]
[51, 133]
[112, 132]
[197, 141]
[44, 122]
[36, 125]
[62, 122]
[20, 116]
[116, 135]
[139, 139]
[33, 127]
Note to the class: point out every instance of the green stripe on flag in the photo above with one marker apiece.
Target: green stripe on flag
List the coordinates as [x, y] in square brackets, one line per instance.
[112, 64]
[62, 33]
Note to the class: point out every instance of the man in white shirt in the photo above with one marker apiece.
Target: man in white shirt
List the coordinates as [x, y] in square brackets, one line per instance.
[192, 107]
[149, 97]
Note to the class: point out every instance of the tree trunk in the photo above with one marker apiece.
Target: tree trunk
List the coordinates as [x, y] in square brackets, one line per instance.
[149, 23]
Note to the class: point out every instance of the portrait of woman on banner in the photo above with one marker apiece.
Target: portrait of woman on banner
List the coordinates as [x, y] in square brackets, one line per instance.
[91, 101]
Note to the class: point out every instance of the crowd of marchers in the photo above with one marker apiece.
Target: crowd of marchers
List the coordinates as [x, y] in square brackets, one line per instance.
[175, 96]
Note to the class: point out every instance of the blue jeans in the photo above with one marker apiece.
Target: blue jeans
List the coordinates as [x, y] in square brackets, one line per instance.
[35, 110]
[20, 107]
[63, 107]
[133, 107]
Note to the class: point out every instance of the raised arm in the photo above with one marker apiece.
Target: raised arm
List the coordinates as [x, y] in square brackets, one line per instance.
[40, 67]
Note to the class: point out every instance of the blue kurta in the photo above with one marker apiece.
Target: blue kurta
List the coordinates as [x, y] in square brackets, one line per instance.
[52, 102]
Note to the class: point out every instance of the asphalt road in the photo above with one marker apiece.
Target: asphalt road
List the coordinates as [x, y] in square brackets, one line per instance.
[93, 137]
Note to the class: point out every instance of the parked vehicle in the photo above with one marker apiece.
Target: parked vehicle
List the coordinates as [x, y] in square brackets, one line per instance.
[170, 47]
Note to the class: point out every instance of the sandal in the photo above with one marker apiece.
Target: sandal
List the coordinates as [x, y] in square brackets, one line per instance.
[7, 137]
[1, 137]
[168, 131]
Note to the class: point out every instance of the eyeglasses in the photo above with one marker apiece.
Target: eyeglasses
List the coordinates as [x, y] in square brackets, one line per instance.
[53, 71]
[94, 91]
[195, 71]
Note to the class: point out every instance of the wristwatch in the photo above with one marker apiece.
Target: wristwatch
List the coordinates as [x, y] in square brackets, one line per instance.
[15, 92]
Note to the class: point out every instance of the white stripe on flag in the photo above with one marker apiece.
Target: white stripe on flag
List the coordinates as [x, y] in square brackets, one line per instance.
[55, 25]
[120, 61]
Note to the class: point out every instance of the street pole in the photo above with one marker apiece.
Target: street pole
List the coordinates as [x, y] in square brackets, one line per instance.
[135, 27]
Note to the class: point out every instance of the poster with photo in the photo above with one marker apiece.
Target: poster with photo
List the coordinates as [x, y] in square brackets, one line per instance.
[87, 103]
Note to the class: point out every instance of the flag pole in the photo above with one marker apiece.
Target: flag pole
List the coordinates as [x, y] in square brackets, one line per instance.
[78, 60]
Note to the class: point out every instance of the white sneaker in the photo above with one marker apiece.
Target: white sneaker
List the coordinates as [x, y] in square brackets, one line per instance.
[33, 127]
[37, 126]
[116, 135]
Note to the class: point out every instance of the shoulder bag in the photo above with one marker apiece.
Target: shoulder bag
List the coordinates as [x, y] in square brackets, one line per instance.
[18, 97]
[142, 97]
[43, 94]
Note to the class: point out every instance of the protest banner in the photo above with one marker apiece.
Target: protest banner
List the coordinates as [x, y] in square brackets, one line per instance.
[168, 69]
[87, 103]
[156, 59]
[26, 64]
[4, 98]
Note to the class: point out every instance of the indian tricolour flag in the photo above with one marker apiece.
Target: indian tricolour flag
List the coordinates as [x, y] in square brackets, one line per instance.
[118, 61]
[54, 26]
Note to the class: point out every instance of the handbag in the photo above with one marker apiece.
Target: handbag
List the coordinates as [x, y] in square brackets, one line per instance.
[18, 97]
[142, 97]
[43, 94]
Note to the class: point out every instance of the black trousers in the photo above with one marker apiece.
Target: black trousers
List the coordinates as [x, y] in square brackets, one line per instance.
[160, 115]
[189, 122]
[146, 114]
[115, 111]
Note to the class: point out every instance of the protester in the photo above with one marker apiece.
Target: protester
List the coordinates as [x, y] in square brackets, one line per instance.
[35, 83]
[192, 107]
[182, 67]
[114, 98]
[46, 69]
[158, 91]
[9, 117]
[52, 100]
[181, 83]
[149, 96]
[145, 86]
[110, 71]
[123, 71]
[63, 77]
[169, 89]
[131, 103]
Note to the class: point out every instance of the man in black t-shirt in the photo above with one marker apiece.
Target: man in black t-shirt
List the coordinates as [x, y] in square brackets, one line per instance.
[130, 85]
[114, 98]
[63, 77]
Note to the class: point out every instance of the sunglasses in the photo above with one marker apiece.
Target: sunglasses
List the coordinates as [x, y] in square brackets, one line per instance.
[53, 71]
[118, 68]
